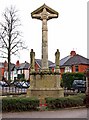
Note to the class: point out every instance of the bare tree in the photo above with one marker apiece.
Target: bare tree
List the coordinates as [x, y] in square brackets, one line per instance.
[10, 42]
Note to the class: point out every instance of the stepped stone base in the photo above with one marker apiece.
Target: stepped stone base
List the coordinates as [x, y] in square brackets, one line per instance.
[45, 92]
[45, 85]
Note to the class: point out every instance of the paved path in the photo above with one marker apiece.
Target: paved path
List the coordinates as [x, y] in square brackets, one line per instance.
[70, 113]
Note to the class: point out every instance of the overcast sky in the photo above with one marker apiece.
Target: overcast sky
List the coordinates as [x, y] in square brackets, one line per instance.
[67, 32]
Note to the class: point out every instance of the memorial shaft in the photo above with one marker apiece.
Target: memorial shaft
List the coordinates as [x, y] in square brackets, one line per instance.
[44, 13]
[44, 41]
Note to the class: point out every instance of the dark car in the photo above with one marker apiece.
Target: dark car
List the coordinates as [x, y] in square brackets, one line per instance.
[79, 85]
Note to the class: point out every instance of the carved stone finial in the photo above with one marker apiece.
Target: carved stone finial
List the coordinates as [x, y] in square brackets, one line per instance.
[32, 60]
[57, 58]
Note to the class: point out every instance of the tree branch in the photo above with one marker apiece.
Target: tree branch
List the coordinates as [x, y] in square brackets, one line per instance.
[3, 52]
[3, 57]
[3, 40]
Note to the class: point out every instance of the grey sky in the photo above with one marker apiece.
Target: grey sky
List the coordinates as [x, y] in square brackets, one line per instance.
[67, 32]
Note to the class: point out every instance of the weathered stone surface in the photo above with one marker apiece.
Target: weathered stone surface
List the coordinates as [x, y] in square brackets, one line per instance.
[32, 60]
[44, 13]
[45, 81]
[57, 59]
[42, 93]
[45, 85]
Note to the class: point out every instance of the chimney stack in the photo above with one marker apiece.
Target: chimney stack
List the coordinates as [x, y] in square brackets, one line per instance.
[72, 53]
[17, 63]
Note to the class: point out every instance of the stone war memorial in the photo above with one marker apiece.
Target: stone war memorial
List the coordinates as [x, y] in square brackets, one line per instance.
[44, 83]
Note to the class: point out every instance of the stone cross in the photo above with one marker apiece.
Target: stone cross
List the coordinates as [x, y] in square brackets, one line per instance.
[44, 13]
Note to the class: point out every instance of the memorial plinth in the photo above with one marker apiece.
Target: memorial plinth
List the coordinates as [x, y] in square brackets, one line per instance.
[45, 83]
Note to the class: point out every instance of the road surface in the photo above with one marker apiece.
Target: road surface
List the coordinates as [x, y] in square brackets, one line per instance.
[66, 113]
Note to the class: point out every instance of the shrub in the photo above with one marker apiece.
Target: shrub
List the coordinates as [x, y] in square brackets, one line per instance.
[19, 104]
[64, 102]
[20, 76]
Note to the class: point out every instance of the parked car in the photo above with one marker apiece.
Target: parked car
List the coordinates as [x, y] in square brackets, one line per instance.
[3, 84]
[80, 85]
[22, 84]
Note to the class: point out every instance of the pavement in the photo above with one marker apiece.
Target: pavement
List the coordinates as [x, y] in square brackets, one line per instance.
[64, 113]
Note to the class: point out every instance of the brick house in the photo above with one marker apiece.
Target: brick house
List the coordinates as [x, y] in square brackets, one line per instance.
[22, 68]
[12, 65]
[4, 69]
[73, 63]
[38, 64]
[1, 70]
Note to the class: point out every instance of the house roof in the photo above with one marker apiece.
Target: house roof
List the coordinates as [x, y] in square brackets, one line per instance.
[76, 60]
[12, 66]
[62, 61]
[65, 59]
[38, 61]
[72, 60]
[24, 66]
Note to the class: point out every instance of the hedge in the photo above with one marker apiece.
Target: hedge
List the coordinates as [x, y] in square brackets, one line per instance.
[65, 102]
[19, 104]
[68, 78]
[12, 104]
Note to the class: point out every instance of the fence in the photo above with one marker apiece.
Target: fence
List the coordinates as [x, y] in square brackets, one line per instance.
[12, 90]
[70, 92]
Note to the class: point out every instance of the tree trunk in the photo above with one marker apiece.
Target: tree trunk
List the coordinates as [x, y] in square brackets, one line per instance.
[9, 57]
[9, 70]
[9, 60]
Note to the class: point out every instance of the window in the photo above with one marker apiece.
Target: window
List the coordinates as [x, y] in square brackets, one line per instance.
[68, 69]
[15, 71]
[76, 68]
